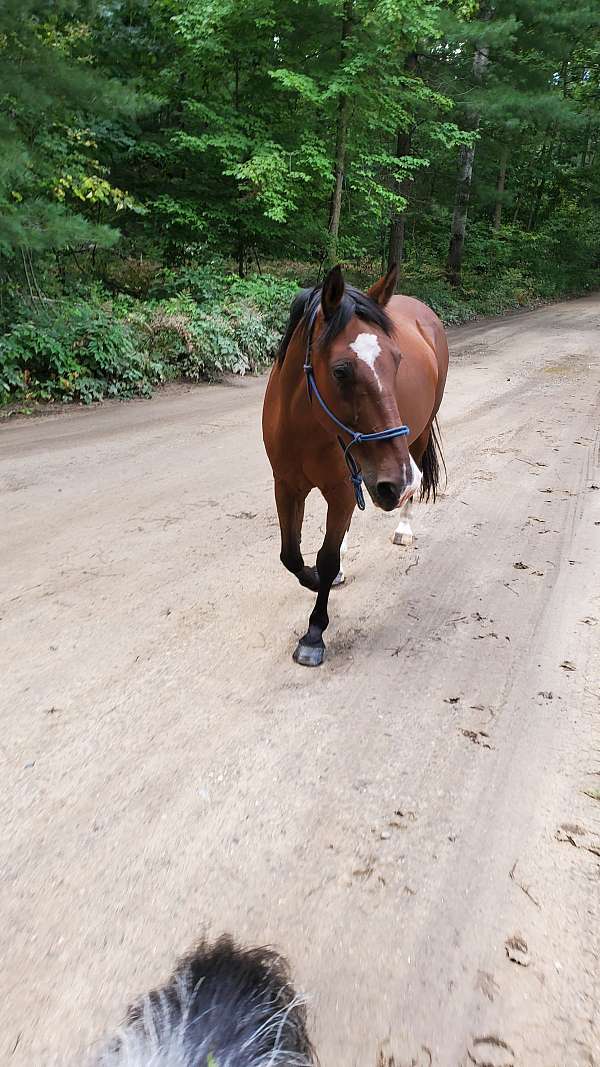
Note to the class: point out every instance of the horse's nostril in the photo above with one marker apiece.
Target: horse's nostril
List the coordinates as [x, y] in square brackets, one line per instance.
[388, 493]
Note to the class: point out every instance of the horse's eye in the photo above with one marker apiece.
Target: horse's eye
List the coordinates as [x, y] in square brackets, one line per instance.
[342, 372]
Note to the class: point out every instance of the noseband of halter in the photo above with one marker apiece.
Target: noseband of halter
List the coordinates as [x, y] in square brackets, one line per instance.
[355, 438]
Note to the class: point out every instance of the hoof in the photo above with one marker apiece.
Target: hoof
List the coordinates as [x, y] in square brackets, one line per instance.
[405, 539]
[309, 655]
[341, 578]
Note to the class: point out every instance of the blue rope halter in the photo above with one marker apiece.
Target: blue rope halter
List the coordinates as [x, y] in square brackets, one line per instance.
[355, 438]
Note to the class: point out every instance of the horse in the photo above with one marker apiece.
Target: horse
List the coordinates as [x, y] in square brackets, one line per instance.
[349, 362]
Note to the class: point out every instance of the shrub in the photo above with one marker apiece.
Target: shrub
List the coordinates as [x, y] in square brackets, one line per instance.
[135, 276]
[203, 322]
[75, 352]
[84, 350]
[199, 343]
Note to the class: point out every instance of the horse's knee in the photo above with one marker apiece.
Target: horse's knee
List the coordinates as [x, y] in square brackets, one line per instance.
[292, 560]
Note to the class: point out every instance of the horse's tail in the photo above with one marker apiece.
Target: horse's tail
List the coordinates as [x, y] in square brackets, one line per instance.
[432, 464]
[223, 1005]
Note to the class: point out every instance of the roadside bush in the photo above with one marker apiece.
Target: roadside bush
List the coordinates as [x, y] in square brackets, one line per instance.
[200, 321]
[78, 350]
[211, 285]
[268, 294]
[197, 343]
[75, 352]
[133, 275]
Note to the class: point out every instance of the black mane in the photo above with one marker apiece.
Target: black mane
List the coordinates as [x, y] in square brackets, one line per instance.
[306, 305]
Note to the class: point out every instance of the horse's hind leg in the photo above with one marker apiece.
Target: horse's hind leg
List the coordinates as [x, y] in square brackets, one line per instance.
[290, 509]
[310, 650]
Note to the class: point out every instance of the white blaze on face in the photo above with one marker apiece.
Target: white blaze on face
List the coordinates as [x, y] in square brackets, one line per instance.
[367, 348]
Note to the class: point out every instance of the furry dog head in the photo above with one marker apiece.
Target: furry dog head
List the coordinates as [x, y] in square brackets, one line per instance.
[222, 1007]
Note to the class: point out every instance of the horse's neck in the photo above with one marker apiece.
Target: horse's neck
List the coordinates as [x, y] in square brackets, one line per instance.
[292, 369]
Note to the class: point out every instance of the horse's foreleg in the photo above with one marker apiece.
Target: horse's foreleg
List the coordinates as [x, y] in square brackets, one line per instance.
[310, 650]
[290, 509]
[341, 576]
[403, 534]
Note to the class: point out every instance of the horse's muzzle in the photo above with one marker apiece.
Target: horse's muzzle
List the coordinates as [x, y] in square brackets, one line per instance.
[389, 495]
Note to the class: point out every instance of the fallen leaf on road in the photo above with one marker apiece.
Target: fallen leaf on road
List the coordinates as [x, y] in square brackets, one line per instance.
[475, 736]
[516, 950]
[565, 834]
[525, 888]
[410, 815]
[520, 566]
[491, 1051]
[569, 829]
[365, 872]
[568, 666]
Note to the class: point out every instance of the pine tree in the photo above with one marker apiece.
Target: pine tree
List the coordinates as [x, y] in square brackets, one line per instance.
[50, 96]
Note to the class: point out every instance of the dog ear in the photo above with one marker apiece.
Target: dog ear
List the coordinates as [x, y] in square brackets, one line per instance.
[332, 291]
[382, 290]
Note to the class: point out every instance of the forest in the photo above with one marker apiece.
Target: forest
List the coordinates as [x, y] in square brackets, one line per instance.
[172, 170]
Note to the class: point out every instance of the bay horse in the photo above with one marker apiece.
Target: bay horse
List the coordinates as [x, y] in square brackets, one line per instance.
[348, 364]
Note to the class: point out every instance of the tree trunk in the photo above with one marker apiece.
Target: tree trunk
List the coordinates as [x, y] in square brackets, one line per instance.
[402, 188]
[542, 166]
[398, 219]
[466, 156]
[240, 253]
[341, 141]
[500, 187]
[396, 243]
[340, 166]
[517, 207]
[459, 216]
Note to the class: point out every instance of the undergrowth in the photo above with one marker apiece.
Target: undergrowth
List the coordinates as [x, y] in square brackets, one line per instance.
[201, 322]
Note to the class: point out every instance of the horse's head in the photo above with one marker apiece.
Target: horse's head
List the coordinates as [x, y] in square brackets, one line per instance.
[357, 359]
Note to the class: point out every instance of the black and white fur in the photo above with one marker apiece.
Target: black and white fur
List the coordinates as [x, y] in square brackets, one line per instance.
[222, 1007]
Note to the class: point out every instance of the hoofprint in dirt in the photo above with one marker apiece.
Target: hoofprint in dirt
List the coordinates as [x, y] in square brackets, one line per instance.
[417, 826]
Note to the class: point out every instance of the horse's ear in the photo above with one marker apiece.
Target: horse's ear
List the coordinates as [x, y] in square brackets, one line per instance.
[384, 288]
[332, 291]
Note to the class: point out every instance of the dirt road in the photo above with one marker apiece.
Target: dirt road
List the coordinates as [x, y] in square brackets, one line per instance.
[416, 824]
